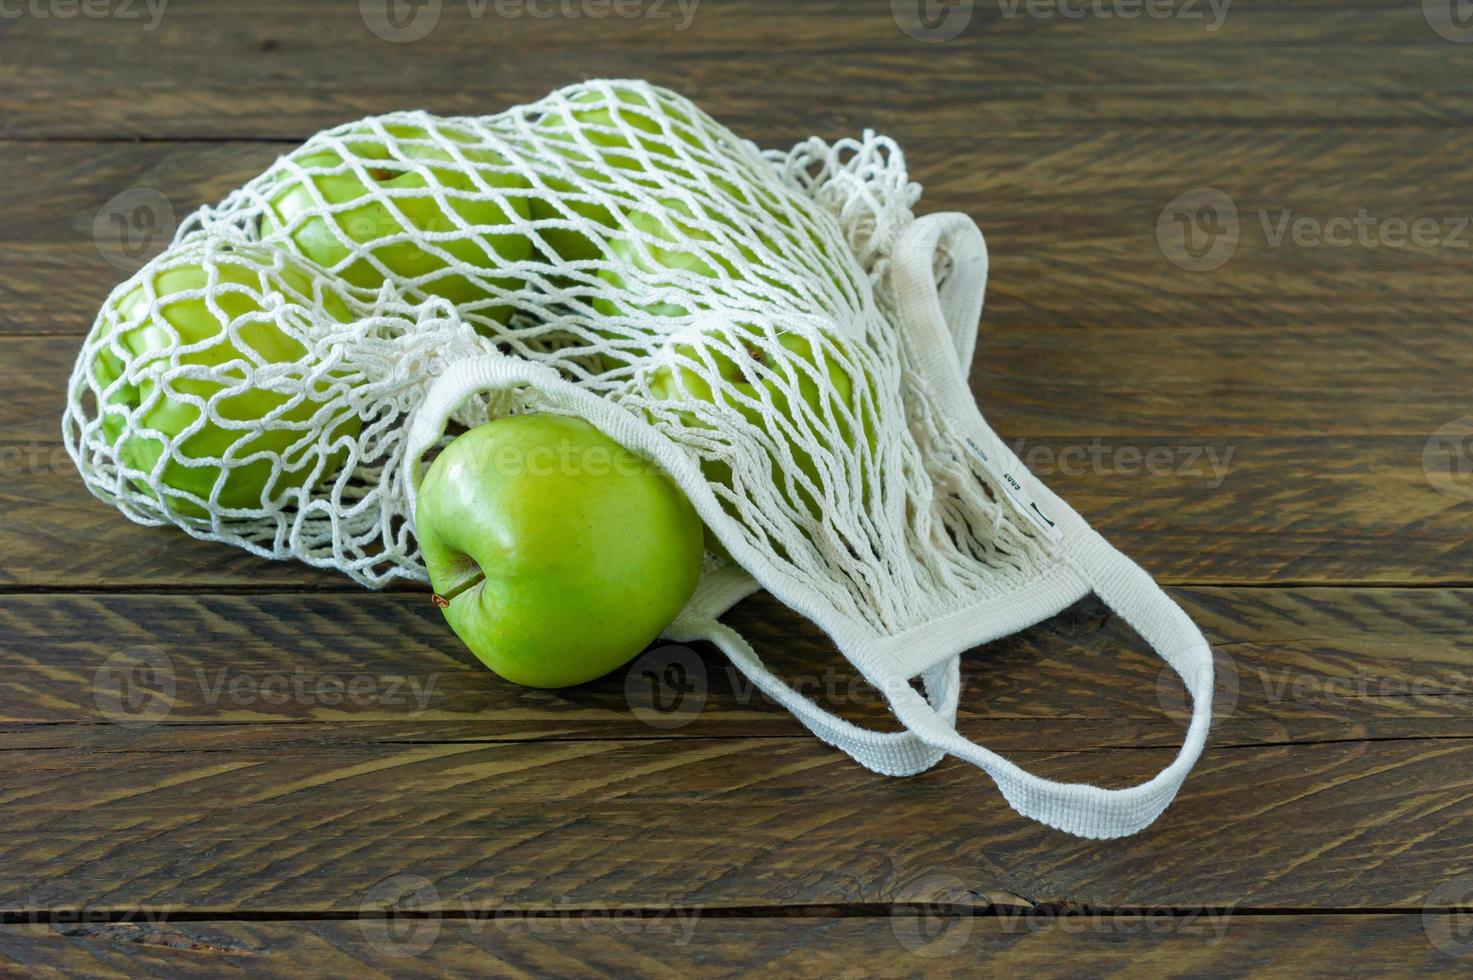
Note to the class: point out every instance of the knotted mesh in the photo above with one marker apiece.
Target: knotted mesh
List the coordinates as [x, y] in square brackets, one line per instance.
[252, 385]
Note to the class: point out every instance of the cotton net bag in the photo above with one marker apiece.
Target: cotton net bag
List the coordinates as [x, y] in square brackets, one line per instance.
[776, 331]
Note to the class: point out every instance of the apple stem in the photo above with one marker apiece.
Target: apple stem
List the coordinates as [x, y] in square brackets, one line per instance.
[443, 601]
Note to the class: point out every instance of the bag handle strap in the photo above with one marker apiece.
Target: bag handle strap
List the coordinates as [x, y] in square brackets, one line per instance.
[900, 753]
[930, 728]
[1076, 808]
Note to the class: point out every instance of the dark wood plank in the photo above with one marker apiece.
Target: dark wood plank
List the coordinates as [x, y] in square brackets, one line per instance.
[343, 671]
[922, 941]
[1343, 714]
[715, 822]
[287, 69]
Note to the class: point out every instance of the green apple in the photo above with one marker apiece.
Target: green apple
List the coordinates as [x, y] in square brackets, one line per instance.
[565, 201]
[667, 236]
[165, 301]
[627, 149]
[665, 245]
[349, 210]
[672, 223]
[555, 553]
[605, 122]
[746, 371]
[590, 138]
[657, 263]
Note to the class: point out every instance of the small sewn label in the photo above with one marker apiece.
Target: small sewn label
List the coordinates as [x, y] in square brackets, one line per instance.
[1021, 499]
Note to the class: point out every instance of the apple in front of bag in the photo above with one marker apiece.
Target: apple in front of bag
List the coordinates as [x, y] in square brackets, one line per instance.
[556, 554]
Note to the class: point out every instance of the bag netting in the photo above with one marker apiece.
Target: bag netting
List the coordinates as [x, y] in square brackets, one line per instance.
[613, 232]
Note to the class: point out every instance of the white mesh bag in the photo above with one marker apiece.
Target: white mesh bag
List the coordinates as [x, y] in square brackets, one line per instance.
[776, 331]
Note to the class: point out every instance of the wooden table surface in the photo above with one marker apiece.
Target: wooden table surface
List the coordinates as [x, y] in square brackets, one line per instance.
[1277, 429]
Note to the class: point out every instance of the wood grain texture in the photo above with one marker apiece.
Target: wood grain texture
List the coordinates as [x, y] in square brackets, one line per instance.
[1342, 714]
[715, 823]
[1294, 665]
[917, 942]
[307, 63]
